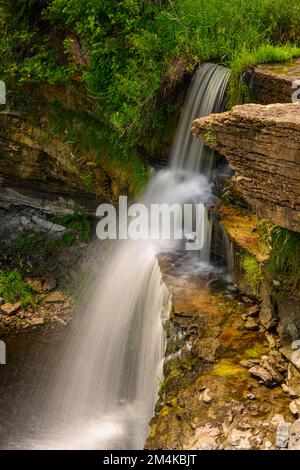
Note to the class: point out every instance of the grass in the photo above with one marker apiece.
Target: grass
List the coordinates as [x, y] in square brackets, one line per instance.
[284, 262]
[13, 288]
[137, 53]
[245, 59]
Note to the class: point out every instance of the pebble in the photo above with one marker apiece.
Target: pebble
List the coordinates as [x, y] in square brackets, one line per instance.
[206, 397]
[250, 396]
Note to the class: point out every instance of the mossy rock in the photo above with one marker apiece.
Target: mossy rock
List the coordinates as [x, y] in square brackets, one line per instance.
[227, 369]
[256, 351]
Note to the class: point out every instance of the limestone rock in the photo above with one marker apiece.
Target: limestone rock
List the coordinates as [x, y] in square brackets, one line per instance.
[206, 397]
[207, 348]
[262, 146]
[49, 284]
[240, 439]
[253, 311]
[37, 321]
[266, 374]
[294, 441]
[293, 381]
[55, 297]
[282, 435]
[251, 324]
[295, 407]
[272, 83]
[9, 308]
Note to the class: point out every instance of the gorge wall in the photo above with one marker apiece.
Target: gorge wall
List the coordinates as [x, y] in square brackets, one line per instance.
[262, 146]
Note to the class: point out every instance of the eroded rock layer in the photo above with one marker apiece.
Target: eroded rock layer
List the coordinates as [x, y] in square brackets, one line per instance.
[274, 83]
[262, 145]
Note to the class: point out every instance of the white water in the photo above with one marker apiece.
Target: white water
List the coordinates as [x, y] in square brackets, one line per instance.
[105, 387]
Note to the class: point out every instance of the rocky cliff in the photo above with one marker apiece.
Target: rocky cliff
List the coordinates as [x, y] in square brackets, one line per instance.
[274, 83]
[262, 145]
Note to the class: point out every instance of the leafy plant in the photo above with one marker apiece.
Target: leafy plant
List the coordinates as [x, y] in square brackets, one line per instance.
[78, 227]
[13, 288]
[285, 252]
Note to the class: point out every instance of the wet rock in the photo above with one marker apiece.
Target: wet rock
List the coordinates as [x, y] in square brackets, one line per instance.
[267, 317]
[294, 440]
[251, 324]
[295, 407]
[272, 340]
[282, 434]
[253, 311]
[262, 374]
[248, 363]
[207, 348]
[10, 308]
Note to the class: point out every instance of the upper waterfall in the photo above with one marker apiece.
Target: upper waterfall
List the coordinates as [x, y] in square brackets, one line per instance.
[205, 96]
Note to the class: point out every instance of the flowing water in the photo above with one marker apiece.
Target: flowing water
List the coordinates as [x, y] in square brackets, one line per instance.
[98, 390]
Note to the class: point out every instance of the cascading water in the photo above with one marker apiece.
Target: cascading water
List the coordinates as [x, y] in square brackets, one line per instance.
[106, 385]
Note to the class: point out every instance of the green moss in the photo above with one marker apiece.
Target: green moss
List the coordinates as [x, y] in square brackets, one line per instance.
[78, 227]
[253, 271]
[153, 431]
[13, 288]
[227, 369]
[210, 137]
[256, 351]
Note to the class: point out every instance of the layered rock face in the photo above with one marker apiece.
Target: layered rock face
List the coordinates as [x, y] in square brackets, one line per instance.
[262, 145]
[273, 83]
[36, 169]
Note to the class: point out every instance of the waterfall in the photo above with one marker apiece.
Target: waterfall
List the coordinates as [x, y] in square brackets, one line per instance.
[106, 384]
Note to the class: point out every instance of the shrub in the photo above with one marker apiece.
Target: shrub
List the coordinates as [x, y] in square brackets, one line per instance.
[13, 288]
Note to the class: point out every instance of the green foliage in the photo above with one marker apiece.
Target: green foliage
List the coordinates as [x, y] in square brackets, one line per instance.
[88, 135]
[245, 59]
[285, 252]
[136, 51]
[253, 271]
[13, 288]
[78, 227]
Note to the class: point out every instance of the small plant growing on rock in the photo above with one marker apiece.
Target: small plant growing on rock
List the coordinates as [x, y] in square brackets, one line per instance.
[253, 271]
[13, 288]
